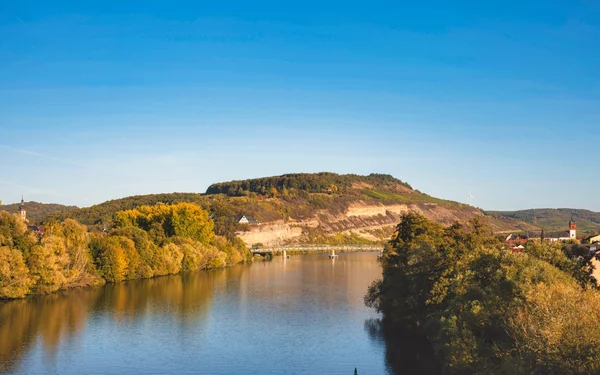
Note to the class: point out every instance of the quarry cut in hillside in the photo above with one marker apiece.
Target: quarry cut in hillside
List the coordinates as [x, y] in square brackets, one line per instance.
[367, 220]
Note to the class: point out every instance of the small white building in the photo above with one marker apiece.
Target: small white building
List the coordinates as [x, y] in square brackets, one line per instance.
[245, 219]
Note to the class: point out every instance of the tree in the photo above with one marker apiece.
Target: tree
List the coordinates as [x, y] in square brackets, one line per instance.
[14, 274]
[144, 268]
[112, 259]
[14, 233]
[47, 263]
[168, 260]
[75, 238]
[484, 309]
[191, 221]
[164, 221]
[193, 254]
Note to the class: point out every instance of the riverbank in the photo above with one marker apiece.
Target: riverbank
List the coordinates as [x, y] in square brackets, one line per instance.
[145, 242]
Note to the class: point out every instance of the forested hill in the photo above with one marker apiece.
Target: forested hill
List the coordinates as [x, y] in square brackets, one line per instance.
[37, 211]
[302, 208]
[555, 219]
[324, 182]
[290, 196]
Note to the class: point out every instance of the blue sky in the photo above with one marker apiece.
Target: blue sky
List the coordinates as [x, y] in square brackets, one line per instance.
[106, 100]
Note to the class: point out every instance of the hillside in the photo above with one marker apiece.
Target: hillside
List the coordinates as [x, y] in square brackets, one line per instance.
[552, 219]
[305, 208]
[37, 211]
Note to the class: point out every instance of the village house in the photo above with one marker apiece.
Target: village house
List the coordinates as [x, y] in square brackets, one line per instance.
[40, 230]
[514, 240]
[592, 239]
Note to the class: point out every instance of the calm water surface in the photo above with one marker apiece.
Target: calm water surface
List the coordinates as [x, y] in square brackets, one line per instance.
[303, 315]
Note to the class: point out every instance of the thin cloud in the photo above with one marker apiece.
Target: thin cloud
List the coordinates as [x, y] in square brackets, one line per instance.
[37, 154]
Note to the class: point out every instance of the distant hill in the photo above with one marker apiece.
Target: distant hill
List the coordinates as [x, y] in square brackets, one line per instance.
[37, 211]
[553, 219]
[305, 208]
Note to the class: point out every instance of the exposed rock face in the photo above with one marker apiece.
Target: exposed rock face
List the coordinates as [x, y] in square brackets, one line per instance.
[362, 209]
[270, 234]
[359, 218]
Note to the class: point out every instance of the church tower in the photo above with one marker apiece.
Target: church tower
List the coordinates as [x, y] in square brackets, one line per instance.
[22, 212]
[572, 229]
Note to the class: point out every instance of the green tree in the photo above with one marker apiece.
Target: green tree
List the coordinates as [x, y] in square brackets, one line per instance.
[486, 310]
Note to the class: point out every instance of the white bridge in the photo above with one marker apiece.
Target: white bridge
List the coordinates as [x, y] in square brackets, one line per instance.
[315, 248]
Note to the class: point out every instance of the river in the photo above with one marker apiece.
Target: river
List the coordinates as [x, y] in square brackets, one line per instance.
[303, 315]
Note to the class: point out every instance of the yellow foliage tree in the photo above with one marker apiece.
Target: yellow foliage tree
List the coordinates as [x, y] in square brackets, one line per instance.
[214, 258]
[80, 270]
[47, 263]
[193, 253]
[112, 258]
[14, 275]
[164, 221]
[168, 260]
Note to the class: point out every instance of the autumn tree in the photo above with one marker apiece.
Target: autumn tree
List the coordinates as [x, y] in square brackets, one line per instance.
[164, 221]
[145, 248]
[14, 233]
[14, 274]
[48, 263]
[112, 257]
[168, 260]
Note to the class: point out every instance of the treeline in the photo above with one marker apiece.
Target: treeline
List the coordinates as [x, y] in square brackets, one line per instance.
[324, 182]
[486, 310]
[146, 242]
[101, 215]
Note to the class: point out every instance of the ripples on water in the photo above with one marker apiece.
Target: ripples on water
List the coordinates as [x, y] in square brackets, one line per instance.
[304, 315]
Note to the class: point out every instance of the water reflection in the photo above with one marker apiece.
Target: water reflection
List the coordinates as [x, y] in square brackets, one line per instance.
[304, 314]
[405, 352]
[60, 317]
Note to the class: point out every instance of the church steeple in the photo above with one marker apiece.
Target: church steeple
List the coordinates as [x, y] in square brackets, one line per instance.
[22, 212]
[572, 229]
